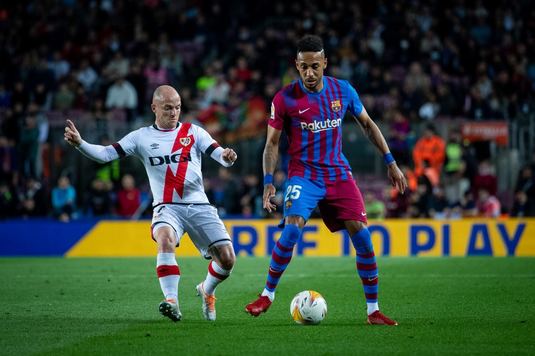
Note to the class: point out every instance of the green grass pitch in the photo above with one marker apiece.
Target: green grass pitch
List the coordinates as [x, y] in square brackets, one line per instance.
[110, 306]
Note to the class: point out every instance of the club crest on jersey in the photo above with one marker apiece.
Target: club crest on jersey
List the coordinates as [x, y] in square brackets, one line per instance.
[336, 106]
[185, 141]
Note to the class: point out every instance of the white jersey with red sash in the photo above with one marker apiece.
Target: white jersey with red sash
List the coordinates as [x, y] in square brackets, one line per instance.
[172, 159]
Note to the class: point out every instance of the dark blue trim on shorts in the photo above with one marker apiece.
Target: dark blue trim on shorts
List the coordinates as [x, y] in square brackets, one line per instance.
[164, 222]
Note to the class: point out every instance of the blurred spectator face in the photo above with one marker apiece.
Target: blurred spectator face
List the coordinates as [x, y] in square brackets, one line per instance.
[369, 197]
[128, 182]
[98, 184]
[428, 133]
[485, 168]
[63, 182]
[483, 195]
[455, 136]
[521, 197]
[527, 173]
[311, 66]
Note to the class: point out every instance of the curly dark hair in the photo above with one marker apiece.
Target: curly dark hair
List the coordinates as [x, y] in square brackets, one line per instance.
[310, 43]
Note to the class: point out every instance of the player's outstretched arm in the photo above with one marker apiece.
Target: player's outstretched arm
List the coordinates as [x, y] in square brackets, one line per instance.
[98, 153]
[397, 179]
[269, 163]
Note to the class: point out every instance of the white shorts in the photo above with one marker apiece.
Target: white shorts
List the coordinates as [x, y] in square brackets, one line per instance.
[200, 221]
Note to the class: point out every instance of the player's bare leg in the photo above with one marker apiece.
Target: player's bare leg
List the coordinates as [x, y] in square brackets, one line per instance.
[168, 271]
[367, 270]
[219, 269]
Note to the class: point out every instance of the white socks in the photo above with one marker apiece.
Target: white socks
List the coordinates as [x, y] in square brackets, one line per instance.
[270, 295]
[215, 275]
[168, 274]
[372, 307]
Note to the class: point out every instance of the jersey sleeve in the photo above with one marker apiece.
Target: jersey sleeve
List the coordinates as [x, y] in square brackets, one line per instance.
[203, 140]
[207, 145]
[278, 109]
[127, 145]
[355, 105]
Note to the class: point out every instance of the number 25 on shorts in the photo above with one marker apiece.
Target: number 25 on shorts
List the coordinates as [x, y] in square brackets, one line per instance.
[293, 192]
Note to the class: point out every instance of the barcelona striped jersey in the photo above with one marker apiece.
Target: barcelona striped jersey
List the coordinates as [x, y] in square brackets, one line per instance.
[313, 124]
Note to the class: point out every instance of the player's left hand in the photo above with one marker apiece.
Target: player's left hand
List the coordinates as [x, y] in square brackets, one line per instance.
[229, 155]
[397, 178]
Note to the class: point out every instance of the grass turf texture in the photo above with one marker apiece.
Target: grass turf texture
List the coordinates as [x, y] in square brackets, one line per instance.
[110, 306]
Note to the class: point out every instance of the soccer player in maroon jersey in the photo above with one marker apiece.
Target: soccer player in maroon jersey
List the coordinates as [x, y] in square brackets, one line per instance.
[310, 110]
[171, 152]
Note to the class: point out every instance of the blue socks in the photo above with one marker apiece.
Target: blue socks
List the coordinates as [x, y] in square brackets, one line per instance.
[281, 255]
[367, 266]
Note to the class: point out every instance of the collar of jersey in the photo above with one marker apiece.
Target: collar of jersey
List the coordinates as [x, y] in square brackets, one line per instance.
[165, 130]
[312, 92]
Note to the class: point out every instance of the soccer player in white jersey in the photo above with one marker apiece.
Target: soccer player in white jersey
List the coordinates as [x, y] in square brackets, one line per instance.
[171, 153]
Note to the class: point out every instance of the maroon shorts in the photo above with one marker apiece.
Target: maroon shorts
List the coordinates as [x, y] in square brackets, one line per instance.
[342, 202]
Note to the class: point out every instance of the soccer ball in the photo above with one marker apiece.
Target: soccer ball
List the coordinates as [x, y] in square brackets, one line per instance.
[308, 307]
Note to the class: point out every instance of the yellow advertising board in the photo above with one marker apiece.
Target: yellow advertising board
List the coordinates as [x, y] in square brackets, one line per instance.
[403, 237]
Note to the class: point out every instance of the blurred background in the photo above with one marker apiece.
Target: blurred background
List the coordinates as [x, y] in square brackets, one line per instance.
[451, 85]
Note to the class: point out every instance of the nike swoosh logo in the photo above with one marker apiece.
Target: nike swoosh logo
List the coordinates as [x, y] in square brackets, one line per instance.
[302, 111]
[363, 214]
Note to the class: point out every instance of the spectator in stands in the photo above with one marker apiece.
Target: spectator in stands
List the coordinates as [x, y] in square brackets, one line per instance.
[5, 97]
[8, 158]
[525, 184]
[64, 97]
[59, 66]
[29, 145]
[485, 179]
[398, 142]
[99, 200]
[117, 67]
[375, 208]
[468, 204]
[439, 206]
[420, 201]
[521, 205]
[128, 197]
[32, 198]
[139, 82]
[488, 205]
[64, 199]
[227, 193]
[248, 195]
[8, 200]
[156, 75]
[87, 76]
[122, 95]
[430, 147]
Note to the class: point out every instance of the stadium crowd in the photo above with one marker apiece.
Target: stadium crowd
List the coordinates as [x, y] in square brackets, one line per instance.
[414, 63]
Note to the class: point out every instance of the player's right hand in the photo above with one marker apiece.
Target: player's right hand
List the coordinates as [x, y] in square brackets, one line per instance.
[71, 135]
[269, 193]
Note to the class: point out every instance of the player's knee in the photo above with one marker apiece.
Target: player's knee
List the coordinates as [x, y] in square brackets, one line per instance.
[293, 232]
[295, 220]
[354, 226]
[227, 257]
[166, 241]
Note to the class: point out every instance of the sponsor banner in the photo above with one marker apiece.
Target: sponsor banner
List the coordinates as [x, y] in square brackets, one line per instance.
[477, 237]
[497, 131]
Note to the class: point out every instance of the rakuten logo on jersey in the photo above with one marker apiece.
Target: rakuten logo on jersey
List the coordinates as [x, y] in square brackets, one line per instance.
[317, 126]
[176, 158]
